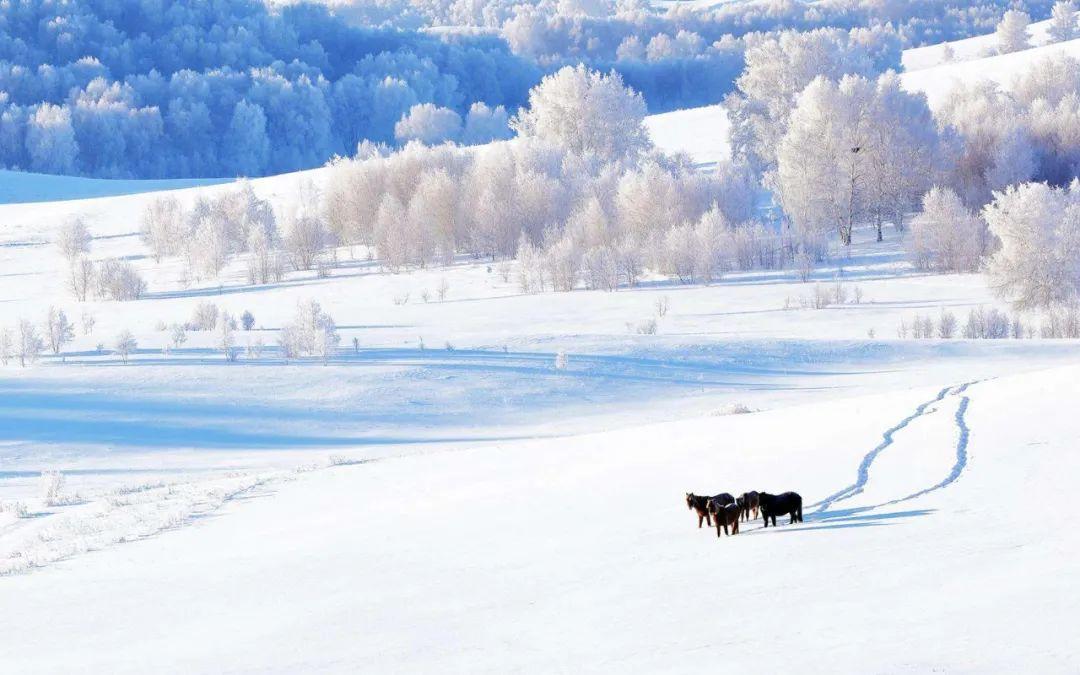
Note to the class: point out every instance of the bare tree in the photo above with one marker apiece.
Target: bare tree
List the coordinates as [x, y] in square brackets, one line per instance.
[125, 344]
[58, 330]
[30, 344]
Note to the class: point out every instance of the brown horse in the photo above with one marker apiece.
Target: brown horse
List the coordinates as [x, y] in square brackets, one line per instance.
[749, 501]
[700, 504]
[725, 515]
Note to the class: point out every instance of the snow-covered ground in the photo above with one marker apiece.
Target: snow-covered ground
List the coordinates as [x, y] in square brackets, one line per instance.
[702, 133]
[969, 49]
[17, 187]
[937, 81]
[578, 554]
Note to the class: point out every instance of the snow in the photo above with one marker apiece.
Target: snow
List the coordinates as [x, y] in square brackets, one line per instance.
[969, 49]
[702, 133]
[937, 81]
[578, 554]
[18, 187]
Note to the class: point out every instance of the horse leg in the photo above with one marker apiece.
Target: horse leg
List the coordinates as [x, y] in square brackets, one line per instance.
[736, 531]
[708, 518]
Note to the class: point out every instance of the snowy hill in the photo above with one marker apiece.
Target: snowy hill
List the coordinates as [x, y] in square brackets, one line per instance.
[936, 81]
[970, 49]
[579, 554]
[17, 187]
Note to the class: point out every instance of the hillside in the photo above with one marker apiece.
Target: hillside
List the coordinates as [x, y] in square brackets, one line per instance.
[535, 555]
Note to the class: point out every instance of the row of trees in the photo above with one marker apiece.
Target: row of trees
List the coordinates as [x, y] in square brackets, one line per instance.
[226, 88]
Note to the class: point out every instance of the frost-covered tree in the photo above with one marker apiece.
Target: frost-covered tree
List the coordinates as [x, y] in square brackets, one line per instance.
[1012, 32]
[485, 124]
[163, 227]
[58, 329]
[119, 280]
[1063, 25]
[247, 146]
[430, 124]
[995, 148]
[204, 316]
[824, 158]
[7, 343]
[50, 140]
[311, 332]
[28, 343]
[306, 237]
[945, 236]
[778, 69]
[125, 344]
[586, 112]
[73, 239]
[226, 337]
[247, 320]
[1037, 263]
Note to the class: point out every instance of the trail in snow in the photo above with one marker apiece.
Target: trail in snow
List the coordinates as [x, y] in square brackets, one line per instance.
[961, 453]
[888, 438]
[863, 475]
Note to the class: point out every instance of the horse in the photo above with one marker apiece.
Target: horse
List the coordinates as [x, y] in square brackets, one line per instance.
[723, 499]
[778, 505]
[725, 515]
[749, 501]
[700, 504]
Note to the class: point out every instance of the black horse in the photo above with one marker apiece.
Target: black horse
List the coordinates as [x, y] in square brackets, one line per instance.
[723, 499]
[749, 501]
[724, 515]
[778, 505]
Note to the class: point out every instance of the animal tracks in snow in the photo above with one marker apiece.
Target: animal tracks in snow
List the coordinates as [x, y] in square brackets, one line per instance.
[909, 462]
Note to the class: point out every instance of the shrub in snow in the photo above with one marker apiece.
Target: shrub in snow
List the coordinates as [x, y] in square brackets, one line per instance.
[946, 236]
[119, 280]
[226, 339]
[662, 305]
[52, 483]
[177, 335]
[247, 320]
[646, 327]
[947, 325]
[1061, 323]
[561, 360]
[734, 409]
[204, 317]
[986, 324]
[312, 332]
[125, 344]
[15, 509]
[1012, 32]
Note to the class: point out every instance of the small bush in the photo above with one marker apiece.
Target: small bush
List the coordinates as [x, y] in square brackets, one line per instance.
[52, 483]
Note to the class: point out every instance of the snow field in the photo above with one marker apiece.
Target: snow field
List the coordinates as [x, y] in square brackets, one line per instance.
[578, 554]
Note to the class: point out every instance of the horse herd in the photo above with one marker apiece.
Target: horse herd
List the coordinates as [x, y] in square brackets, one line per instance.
[726, 511]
